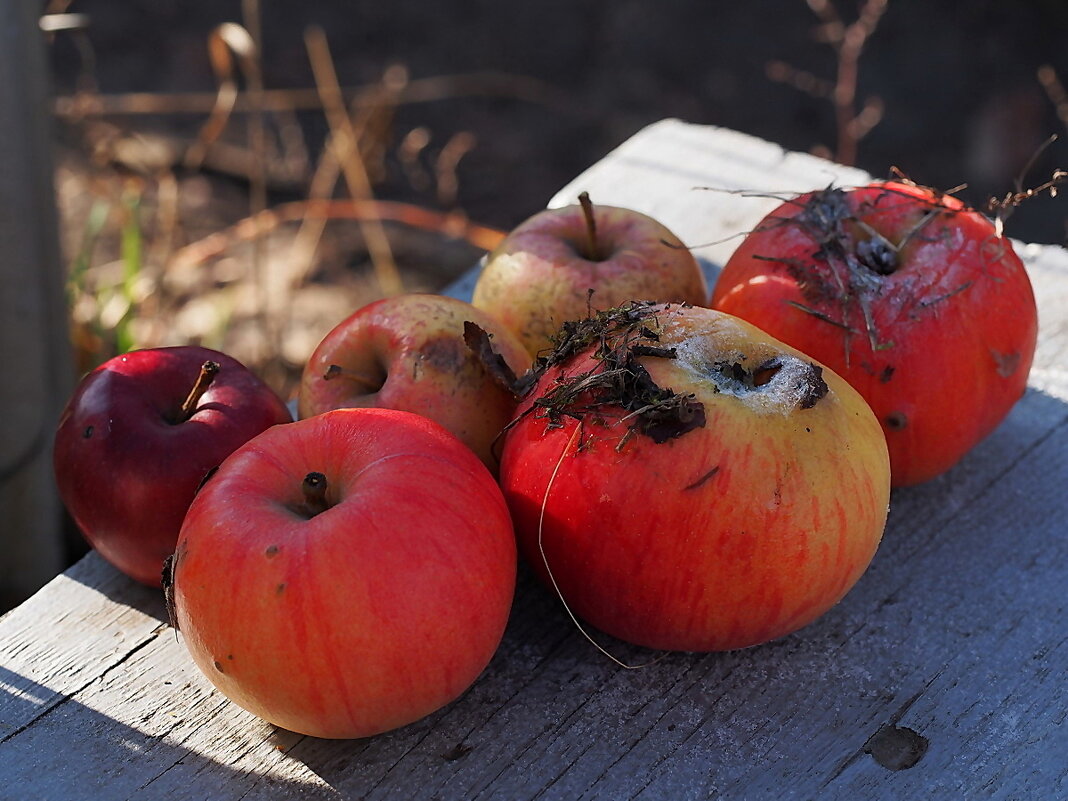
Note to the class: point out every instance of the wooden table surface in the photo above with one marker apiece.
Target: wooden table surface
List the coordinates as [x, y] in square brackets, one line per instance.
[941, 675]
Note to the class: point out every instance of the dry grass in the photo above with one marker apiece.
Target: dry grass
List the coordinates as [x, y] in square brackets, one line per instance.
[174, 241]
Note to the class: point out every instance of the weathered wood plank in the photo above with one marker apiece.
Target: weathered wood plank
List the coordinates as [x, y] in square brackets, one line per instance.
[954, 639]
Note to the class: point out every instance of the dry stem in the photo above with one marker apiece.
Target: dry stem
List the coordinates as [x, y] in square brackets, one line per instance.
[346, 148]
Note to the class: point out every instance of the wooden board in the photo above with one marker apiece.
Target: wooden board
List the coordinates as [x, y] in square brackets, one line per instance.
[938, 676]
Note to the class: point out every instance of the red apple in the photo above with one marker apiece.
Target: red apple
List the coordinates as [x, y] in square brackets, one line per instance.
[346, 574]
[913, 298]
[138, 437]
[561, 263]
[420, 353]
[686, 482]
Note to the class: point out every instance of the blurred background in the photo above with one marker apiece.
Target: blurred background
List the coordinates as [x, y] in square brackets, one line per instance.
[179, 122]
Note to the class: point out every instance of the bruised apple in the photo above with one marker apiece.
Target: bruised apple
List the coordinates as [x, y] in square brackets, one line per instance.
[561, 263]
[433, 355]
[346, 574]
[919, 302]
[687, 482]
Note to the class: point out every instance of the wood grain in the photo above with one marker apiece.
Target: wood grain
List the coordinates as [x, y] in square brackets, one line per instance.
[938, 676]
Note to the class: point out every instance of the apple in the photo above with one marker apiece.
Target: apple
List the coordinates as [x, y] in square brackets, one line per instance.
[347, 574]
[429, 354]
[919, 302]
[686, 482]
[562, 263]
[139, 435]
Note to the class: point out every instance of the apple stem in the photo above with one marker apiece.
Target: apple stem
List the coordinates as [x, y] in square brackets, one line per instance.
[337, 371]
[593, 252]
[314, 487]
[208, 371]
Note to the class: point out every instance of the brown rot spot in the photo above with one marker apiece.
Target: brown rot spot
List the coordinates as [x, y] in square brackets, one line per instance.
[813, 386]
[896, 747]
[272, 550]
[896, 421]
[1006, 362]
[887, 373]
[446, 354]
[88, 432]
[218, 666]
[280, 589]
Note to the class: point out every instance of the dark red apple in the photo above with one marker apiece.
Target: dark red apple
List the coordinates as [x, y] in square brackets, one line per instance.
[138, 437]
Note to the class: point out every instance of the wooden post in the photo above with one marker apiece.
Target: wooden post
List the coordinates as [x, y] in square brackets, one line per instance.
[34, 342]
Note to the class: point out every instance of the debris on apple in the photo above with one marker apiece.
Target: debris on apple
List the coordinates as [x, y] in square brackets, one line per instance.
[913, 298]
[686, 482]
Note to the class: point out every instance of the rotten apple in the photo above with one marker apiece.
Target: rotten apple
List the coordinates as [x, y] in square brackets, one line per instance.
[429, 354]
[686, 482]
[918, 301]
[346, 574]
[139, 435]
[562, 263]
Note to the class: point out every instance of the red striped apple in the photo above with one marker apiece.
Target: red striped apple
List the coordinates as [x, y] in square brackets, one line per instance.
[684, 481]
[562, 263]
[347, 574]
[429, 354]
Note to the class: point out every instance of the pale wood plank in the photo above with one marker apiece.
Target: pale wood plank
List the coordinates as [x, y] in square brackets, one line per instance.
[956, 631]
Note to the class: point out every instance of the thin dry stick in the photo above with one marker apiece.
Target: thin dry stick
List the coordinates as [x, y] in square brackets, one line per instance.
[445, 168]
[451, 224]
[257, 173]
[848, 42]
[552, 578]
[224, 42]
[348, 154]
[325, 179]
[423, 90]
[166, 218]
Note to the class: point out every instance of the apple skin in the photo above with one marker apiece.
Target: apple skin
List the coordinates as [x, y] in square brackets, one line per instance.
[539, 276]
[727, 535]
[126, 472]
[362, 618]
[411, 353]
[939, 339]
